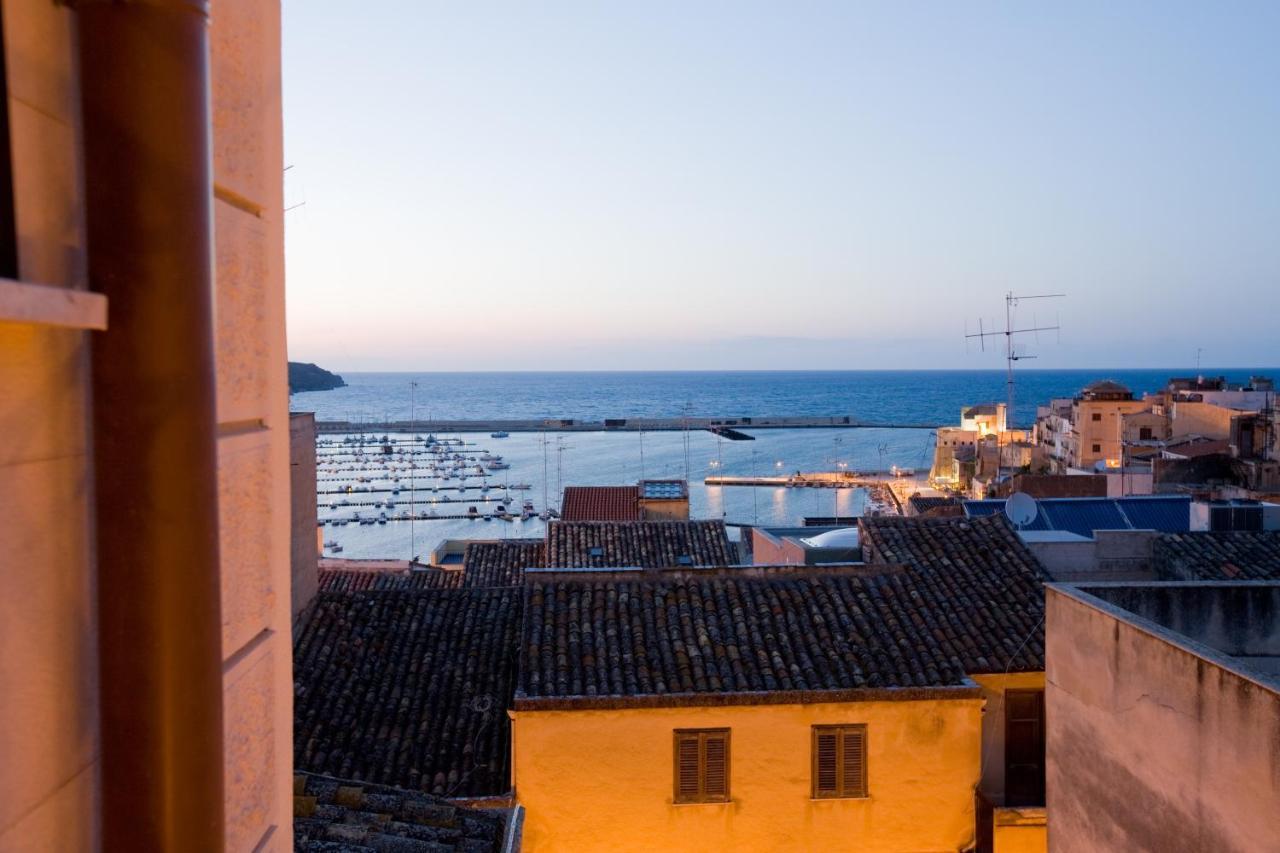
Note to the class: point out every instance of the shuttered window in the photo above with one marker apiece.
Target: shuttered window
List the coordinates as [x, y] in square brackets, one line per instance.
[839, 761]
[701, 765]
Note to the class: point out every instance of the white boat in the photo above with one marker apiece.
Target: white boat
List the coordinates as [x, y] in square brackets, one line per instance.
[498, 465]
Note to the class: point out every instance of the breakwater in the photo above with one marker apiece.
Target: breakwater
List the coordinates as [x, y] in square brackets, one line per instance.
[610, 425]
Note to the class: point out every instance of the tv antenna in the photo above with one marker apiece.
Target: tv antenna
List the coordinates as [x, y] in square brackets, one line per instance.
[1011, 353]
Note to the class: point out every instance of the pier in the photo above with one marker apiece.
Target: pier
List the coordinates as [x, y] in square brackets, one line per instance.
[715, 425]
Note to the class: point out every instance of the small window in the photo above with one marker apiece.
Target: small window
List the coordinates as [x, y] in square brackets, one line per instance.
[684, 560]
[701, 765]
[596, 551]
[1097, 448]
[1097, 416]
[839, 761]
[1144, 434]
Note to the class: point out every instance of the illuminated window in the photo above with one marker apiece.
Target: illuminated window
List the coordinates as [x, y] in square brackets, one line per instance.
[839, 761]
[701, 765]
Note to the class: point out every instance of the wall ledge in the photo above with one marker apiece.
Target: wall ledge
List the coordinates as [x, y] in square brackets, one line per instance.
[43, 305]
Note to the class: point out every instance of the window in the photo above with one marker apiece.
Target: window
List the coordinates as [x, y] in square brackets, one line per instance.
[1097, 448]
[701, 765]
[1024, 747]
[1097, 416]
[839, 761]
[1144, 434]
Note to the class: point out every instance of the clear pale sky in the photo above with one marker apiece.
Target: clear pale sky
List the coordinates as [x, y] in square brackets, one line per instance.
[749, 185]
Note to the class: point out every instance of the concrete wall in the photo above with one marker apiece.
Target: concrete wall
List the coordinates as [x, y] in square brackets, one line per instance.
[1112, 555]
[253, 421]
[602, 779]
[49, 748]
[1153, 744]
[302, 499]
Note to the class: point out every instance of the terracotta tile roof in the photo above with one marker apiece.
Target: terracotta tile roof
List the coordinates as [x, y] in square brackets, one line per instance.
[408, 688]
[331, 815]
[342, 580]
[649, 544]
[980, 575]
[1227, 555]
[501, 563]
[601, 503]
[969, 599]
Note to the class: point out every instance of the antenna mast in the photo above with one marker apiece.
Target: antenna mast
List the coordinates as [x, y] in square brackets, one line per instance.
[1011, 353]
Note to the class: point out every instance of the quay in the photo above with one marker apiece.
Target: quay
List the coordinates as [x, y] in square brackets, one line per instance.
[811, 480]
[609, 425]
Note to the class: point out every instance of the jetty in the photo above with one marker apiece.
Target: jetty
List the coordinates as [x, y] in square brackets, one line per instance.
[716, 425]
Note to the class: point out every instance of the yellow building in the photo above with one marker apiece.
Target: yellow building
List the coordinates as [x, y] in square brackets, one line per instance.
[789, 708]
[1097, 420]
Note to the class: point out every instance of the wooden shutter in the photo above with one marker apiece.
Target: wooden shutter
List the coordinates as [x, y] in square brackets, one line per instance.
[853, 761]
[715, 775]
[839, 761]
[1024, 747]
[701, 765]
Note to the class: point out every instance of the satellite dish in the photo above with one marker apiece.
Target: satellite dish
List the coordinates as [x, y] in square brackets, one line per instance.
[1021, 509]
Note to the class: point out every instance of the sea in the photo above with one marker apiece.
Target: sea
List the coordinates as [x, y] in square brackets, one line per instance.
[546, 463]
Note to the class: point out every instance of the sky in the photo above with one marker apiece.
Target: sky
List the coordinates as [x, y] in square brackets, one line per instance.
[743, 185]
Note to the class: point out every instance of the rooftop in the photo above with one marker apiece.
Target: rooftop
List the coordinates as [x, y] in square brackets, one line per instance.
[648, 544]
[409, 688]
[968, 600]
[501, 563]
[601, 503]
[1082, 516]
[1233, 625]
[1233, 555]
[345, 816]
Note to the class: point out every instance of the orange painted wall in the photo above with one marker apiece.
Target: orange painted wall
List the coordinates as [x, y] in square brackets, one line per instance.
[602, 780]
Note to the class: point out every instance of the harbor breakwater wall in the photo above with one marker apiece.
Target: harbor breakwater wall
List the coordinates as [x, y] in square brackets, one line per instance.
[609, 425]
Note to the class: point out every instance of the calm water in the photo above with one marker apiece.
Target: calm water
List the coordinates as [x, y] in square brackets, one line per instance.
[909, 396]
[617, 458]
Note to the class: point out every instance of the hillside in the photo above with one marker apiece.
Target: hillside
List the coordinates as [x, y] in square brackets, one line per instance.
[310, 377]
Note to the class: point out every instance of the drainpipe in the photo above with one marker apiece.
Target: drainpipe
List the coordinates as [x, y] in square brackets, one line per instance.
[144, 84]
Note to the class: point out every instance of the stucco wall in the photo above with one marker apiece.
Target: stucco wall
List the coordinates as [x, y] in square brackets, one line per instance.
[49, 750]
[302, 477]
[602, 780]
[1019, 831]
[1150, 746]
[1203, 419]
[770, 550]
[253, 423]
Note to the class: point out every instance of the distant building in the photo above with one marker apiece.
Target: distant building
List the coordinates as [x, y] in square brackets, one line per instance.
[1163, 701]
[648, 500]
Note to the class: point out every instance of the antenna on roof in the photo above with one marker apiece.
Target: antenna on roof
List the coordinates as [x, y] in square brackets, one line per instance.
[1011, 353]
[1021, 509]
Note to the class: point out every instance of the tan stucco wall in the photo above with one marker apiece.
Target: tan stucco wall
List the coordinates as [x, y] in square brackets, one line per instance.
[1203, 419]
[49, 748]
[602, 780]
[253, 419]
[1105, 433]
[1151, 747]
[993, 688]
